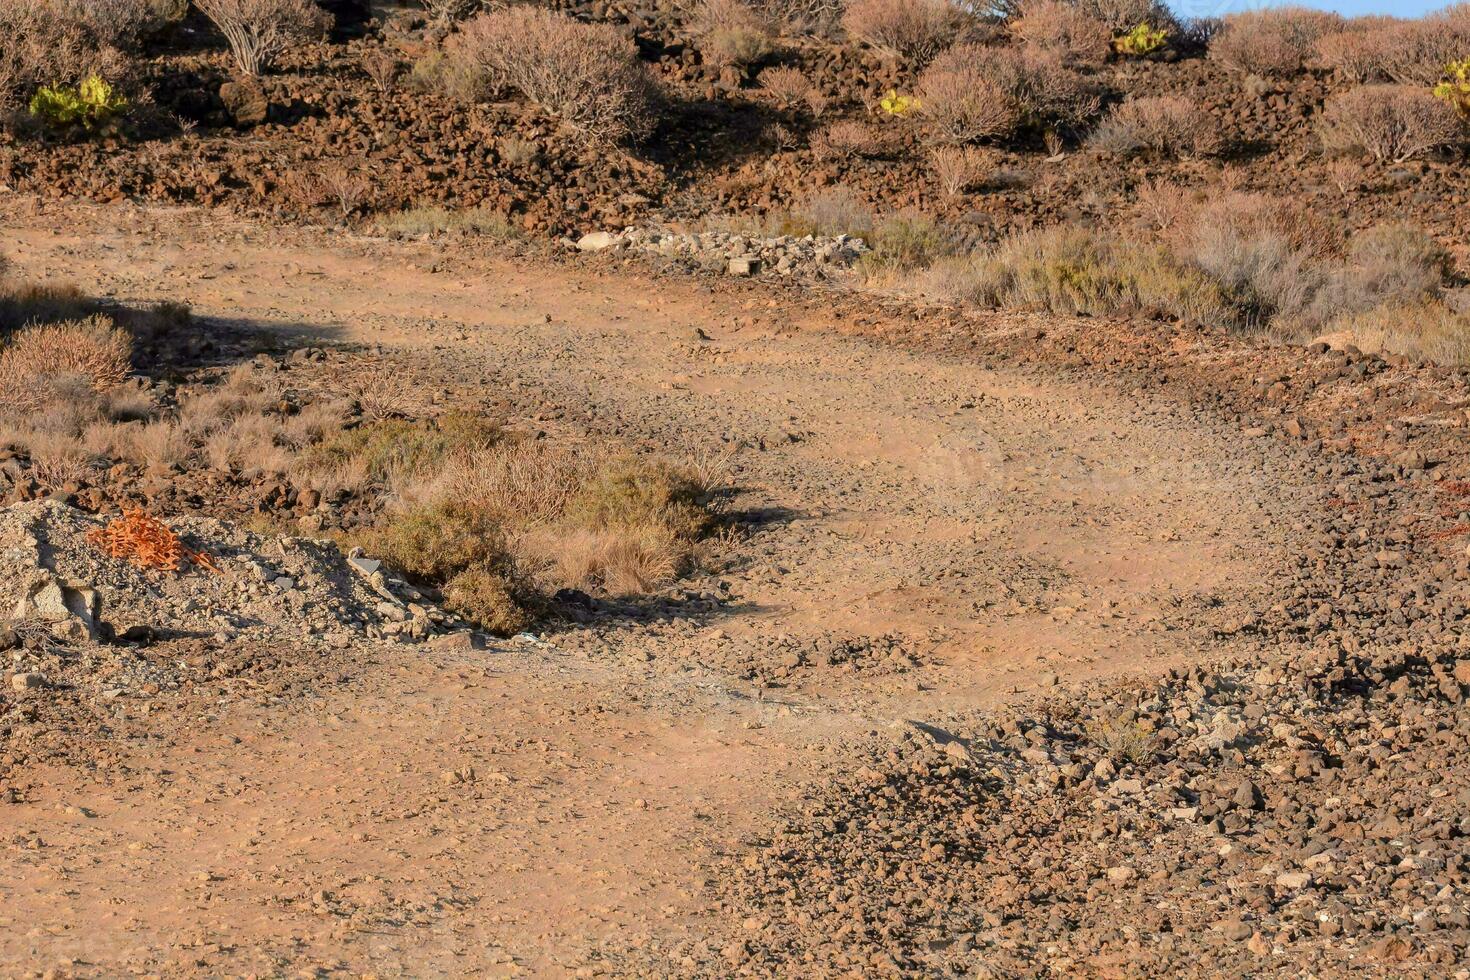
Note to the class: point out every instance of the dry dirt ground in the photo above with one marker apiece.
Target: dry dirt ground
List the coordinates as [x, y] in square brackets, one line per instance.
[925, 535]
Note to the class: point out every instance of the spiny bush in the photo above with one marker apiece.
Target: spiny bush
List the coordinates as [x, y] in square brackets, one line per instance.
[914, 31]
[39, 358]
[1274, 42]
[1062, 29]
[1388, 122]
[731, 32]
[1163, 125]
[260, 31]
[120, 23]
[971, 93]
[586, 75]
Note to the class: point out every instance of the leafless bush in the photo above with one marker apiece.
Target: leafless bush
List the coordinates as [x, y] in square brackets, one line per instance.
[1163, 125]
[849, 138]
[1345, 174]
[973, 93]
[1273, 42]
[960, 168]
[1396, 264]
[1358, 51]
[1063, 29]
[1122, 15]
[1163, 204]
[803, 16]
[39, 47]
[40, 356]
[1388, 122]
[587, 75]
[837, 211]
[118, 23]
[344, 187]
[788, 86]
[260, 31]
[448, 11]
[382, 68]
[731, 32]
[1410, 52]
[914, 31]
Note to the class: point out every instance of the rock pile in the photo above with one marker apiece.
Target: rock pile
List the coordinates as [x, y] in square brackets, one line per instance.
[300, 590]
[734, 254]
[1304, 815]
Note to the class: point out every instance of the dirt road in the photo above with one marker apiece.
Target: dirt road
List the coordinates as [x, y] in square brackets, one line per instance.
[926, 535]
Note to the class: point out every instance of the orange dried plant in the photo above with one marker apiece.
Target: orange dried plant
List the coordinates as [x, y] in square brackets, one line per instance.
[146, 542]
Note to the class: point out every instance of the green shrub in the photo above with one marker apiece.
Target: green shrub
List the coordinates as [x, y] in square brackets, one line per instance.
[92, 104]
[1141, 41]
[490, 598]
[384, 449]
[903, 242]
[633, 492]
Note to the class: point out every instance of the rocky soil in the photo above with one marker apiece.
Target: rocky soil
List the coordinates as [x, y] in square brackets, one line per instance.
[1039, 646]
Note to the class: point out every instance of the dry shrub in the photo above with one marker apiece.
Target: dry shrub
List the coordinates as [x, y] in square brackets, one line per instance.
[960, 168]
[1075, 270]
[1429, 331]
[914, 31]
[903, 242]
[788, 86]
[1274, 42]
[849, 138]
[1409, 52]
[1164, 125]
[972, 93]
[119, 23]
[1163, 204]
[731, 32]
[260, 31]
[448, 11]
[41, 46]
[1122, 15]
[1267, 254]
[837, 211]
[1397, 264]
[1388, 122]
[434, 219]
[803, 16]
[1062, 29]
[39, 357]
[586, 75]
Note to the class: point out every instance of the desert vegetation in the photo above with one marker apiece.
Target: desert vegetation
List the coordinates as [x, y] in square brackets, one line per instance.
[495, 522]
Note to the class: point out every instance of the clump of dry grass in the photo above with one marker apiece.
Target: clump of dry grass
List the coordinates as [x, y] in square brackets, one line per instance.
[39, 357]
[498, 526]
[789, 86]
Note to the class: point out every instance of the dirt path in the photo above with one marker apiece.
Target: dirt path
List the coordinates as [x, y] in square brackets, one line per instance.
[965, 535]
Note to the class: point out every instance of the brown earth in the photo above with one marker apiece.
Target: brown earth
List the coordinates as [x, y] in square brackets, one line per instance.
[928, 530]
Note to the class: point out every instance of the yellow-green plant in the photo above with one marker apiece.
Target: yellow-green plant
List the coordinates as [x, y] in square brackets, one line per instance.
[1141, 41]
[1455, 89]
[894, 104]
[90, 104]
